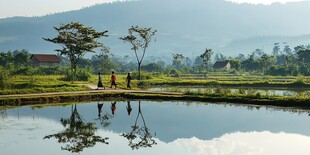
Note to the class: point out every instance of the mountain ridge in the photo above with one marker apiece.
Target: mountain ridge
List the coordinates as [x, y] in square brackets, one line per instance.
[183, 26]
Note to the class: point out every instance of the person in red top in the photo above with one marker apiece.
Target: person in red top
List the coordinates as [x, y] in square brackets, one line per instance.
[113, 107]
[113, 80]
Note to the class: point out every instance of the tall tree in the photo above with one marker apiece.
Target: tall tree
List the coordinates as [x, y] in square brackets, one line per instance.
[258, 52]
[21, 58]
[304, 56]
[76, 40]
[206, 57]
[139, 38]
[287, 49]
[276, 49]
[219, 57]
[177, 60]
[241, 57]
[266, 61]
[102, 61]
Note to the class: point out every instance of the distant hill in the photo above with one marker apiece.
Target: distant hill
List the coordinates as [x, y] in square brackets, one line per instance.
[184, 26]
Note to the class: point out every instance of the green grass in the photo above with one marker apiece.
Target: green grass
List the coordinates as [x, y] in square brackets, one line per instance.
[53, 83]
[40, 84]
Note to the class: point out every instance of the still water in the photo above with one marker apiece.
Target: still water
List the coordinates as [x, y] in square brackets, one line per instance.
[245, 91]
[149, 127]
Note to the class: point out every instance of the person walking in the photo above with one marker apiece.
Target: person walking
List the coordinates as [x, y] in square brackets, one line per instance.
[100, 85]
[113, 80]
[128, 79]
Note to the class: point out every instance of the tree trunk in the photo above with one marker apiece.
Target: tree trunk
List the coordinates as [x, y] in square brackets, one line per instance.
[73, 72]
[139, 71]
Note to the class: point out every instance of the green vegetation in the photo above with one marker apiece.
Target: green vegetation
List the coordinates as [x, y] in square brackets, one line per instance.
[76, 40]
[39, 84]
[281, 69]
[139, 38]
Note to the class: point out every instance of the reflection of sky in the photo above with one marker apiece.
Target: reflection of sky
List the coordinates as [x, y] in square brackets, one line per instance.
[24, 136]
[176, 126]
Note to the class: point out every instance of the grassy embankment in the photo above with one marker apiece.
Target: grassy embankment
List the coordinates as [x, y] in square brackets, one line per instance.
[233, 81]
[54, 84]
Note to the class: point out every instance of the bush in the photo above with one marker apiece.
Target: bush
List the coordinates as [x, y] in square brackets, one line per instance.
[142, 84]
[5, 78]
[242, 91]
[81, 75]
[24, 71]
[144, 75]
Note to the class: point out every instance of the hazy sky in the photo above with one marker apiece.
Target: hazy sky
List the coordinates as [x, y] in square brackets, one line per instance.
[265, 1]
[10, 8]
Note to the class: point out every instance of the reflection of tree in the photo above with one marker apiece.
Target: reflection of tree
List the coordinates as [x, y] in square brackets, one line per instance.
[105, 120]
[140, 136]
[78, 135]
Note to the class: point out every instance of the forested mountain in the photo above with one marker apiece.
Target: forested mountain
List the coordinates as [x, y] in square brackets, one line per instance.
[184, 26]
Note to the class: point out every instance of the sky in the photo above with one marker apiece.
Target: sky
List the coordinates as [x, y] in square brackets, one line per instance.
[266, 2]
[11, 8]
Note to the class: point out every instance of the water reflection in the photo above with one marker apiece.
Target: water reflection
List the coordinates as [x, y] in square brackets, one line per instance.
[105, 119]
[244, 91]
[128, 107]
[113, 107]
[139, 136]
[3, 113]
[78, 134]
[182, 128]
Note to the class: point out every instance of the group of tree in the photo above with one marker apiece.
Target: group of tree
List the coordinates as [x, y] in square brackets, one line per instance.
[285, 63]
[76, 40]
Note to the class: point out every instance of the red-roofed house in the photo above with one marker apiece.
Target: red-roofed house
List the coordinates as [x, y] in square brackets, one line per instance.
[45, 60]
[222, 65]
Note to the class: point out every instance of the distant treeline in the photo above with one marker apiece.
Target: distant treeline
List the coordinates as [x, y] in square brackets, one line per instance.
[294, 63]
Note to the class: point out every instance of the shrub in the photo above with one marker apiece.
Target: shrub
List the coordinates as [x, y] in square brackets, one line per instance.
[242, 91]
[258, 95]
[24, 71]
[81, 75]
[144, 75]
[5, 78]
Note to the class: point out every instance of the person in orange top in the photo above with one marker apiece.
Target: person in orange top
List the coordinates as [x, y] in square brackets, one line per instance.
[113, 80]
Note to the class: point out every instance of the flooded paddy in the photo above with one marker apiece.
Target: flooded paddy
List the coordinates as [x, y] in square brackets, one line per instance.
[151, 127]
[246, 91]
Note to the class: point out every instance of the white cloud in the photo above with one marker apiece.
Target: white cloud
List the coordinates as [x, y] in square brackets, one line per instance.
[250, 143]
[10, 8]
[266, 2]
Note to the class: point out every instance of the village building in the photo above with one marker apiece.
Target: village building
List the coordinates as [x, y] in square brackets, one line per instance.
[221, 65]
[51, 60]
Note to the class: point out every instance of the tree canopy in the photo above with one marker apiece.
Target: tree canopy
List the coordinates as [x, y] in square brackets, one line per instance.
[139, 38]
[76, 40]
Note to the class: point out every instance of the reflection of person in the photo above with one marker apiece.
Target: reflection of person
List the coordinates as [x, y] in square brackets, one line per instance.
[99, 106]
[113, 107]
[100, 85]
[113, 80]
[128, 107]
[128, 79]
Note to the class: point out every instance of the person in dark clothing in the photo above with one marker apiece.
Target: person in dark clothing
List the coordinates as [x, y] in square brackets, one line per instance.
[129, 109]
[100, 85]
[128, 79]
[99, 106]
